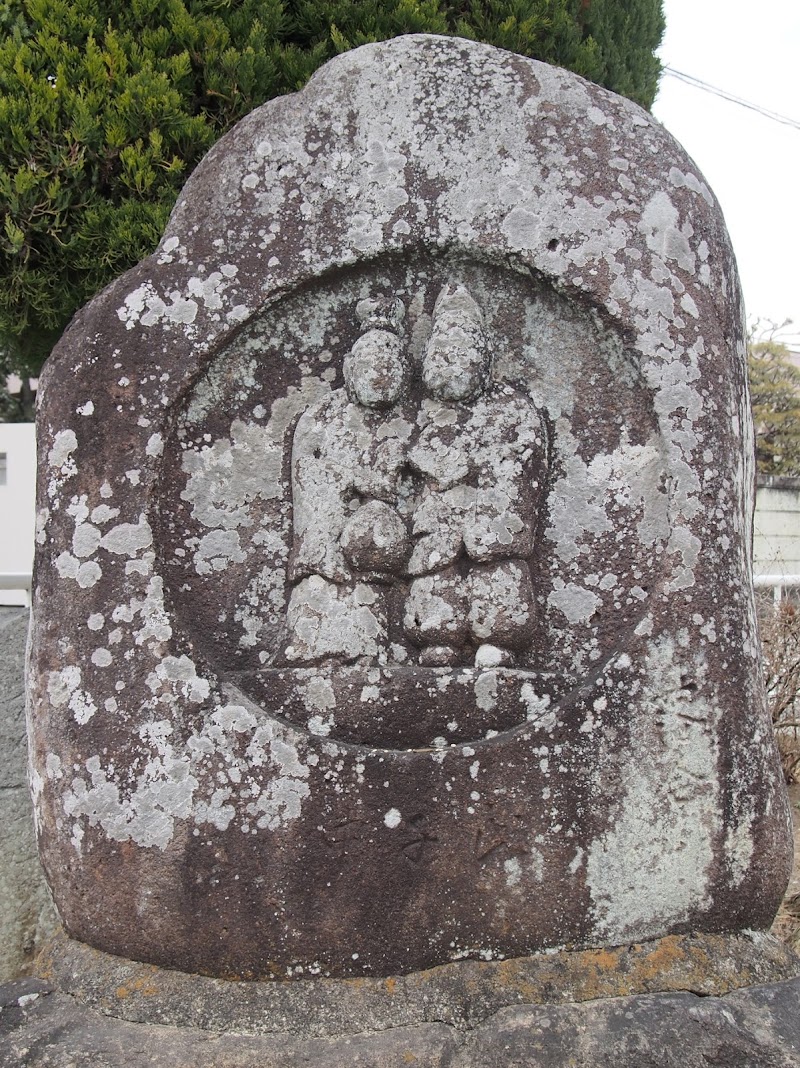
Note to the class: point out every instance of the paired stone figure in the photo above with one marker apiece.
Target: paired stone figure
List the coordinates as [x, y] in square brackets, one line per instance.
[428, 505]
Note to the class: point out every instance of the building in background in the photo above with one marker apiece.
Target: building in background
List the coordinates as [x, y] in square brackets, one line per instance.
[17, 511]
[776, 536]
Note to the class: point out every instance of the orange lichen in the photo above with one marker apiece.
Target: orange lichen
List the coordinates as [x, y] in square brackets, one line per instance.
[143, 985]
[605, 959]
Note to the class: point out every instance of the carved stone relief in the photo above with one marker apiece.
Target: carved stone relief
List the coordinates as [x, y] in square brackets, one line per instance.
[404, 519]
[435, 506]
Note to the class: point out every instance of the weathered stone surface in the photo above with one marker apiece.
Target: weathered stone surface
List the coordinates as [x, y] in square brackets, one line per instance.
[392, 598]
[41, 1028]
[754, 1027]
[461, 995]
[27, 917]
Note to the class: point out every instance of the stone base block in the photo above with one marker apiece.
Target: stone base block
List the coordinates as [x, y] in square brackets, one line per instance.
[688, 1002]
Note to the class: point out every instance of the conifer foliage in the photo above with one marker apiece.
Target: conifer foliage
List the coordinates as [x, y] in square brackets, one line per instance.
[107, 105]
[775, 400]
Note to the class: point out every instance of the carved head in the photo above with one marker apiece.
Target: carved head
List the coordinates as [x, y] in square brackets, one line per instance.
[457, 358]
[375, 368]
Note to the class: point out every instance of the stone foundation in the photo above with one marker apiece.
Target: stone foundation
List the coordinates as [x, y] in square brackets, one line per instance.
[731, 1000]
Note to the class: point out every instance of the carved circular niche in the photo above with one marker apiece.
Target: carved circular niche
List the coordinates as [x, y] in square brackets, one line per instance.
[414, 504]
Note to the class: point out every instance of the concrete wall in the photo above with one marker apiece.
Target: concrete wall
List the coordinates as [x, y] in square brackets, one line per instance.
[27, 917]
[776, 542]
[17, 507]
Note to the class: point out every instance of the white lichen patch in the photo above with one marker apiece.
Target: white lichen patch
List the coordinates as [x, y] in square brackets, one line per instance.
[155, 445]
[86, 574]
[61, 463]
[124, 539]
[265, 595]
[660, 223]
[319, 698]
[285, 787]
[317, 693]
[42, 519]
[573, 601]
[128, 539]
[163, 793]
[689, 180]
[265, 779]
[583, 501]
[489, 656]
[177, 675]
[392, 818]
[64, 689]
[53, 767]
[652, 868]
[143, 621]
[144, 305]
[217, 550]
[59, 457]
[171, 249]
[225, 476]
[326, 620]
[486, 690]
[513, 870]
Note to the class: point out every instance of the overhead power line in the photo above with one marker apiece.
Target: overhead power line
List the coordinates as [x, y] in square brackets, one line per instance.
[699, 84]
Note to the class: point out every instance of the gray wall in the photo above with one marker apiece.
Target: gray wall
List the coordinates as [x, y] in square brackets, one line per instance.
[776, 541]
[27, 917]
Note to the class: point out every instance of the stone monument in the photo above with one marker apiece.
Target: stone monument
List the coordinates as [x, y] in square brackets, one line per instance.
[392, 600]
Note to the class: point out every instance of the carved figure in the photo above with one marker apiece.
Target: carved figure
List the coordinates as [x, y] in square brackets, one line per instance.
[481, 460]
[350, 537]
[465, 472]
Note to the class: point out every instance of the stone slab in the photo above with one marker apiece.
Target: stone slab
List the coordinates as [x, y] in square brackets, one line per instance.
[755, 1027]
[461, 995]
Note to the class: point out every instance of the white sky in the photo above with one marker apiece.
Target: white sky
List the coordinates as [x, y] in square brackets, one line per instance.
[752, 163]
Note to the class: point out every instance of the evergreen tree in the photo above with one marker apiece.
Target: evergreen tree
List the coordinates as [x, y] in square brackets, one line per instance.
[106, 106]
[775, 399]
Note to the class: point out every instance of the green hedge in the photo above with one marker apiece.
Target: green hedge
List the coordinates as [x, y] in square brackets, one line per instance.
[105, 108]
